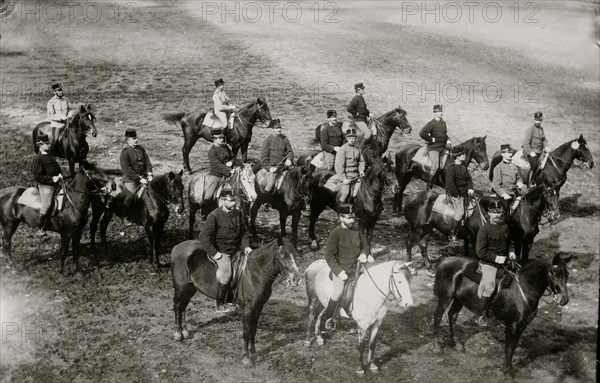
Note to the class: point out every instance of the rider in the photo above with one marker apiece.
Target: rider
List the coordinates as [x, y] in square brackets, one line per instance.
[359, 112]
[223, 235]
[345, 247]
[276, 149]
[332, 138]
[436, 135]
[459, 185]
[506, 181]
[46, 173]
[221, 102]
[58, 109]
[220, 159]
[349, 165]
[493, 242]
[136, 168]
[535, 143]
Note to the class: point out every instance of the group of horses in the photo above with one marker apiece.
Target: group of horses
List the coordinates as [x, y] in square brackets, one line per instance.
[303, 187]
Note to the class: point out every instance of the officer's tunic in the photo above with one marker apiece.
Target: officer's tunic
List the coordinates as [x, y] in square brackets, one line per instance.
[275, 149]
[57, 110]
[349, 162]
[331, 135]
[135, 164]
[44, 167]
[535, 140]
[358, 108]
[224, 233]
[218, 156]
[458, 180]
[505, 178]
[343, 248]
[492, 240]
[435, 129]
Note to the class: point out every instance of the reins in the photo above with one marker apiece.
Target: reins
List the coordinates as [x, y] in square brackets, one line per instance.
[391, 285]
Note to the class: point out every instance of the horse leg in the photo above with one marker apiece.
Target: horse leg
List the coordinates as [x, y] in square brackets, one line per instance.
[452, 317]
[65, 240]
[410, 243]
[443, 303]
[253, 212]
[282, 220]
[180, 301]
[315, 211]
[96, 215]
[371, 357]
[8, 231]
[106, 217]
[250, 321]
[192, 219]
[76, 241]
[518, 250]
[244, 151]
[295, 220]
[158, 232]
[150, 242]
[71, 167]
[188, 144]
[403, 181]
[312, 303]
[362, 343]
[513, 333]
[426, 232]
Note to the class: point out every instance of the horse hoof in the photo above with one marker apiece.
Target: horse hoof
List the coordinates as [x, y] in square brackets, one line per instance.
[314, 245]
[373, 368]
[247, 362]
[460, 348]
[437, 349]
[320, 341]
[178, 336]
[360, 371]
[185, 334]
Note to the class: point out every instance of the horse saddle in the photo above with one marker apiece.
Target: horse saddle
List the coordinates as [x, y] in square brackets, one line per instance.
[120, 188]
[348, 293]
[262, 176]
[31, 198]
[212, 121]
[444, 207]
[520, 159]
[323, 161]
[422, 158]
[503, 279]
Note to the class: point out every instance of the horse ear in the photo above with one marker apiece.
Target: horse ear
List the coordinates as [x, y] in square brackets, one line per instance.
[259, 101]
[180, 173]
[484, 137]
[581, 137]
[556, 260]
[171, 176]
[82, 109]
[89, 106]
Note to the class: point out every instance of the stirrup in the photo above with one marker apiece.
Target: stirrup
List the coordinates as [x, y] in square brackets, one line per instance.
[481, 321]
[330, 324]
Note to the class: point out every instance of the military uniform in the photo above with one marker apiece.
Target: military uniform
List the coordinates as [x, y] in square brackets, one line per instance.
[505, 178]
[276, 149]
[458, 184]
[58, 110]
[535, 141]
[218, 156]
[331, 136]
[349, 164]
[359, 112]
[493, 240]
[44, 168]
[221, 106]
[435, 133]
[135, 165]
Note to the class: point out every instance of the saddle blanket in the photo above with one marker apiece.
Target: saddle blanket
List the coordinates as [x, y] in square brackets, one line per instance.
[335, 184]
[422, 158]
[31, 197]
[520, 159]
[323, 161]
[262, 175]
[212, 121]
[120, 188]
[443, 206]
[473, 272]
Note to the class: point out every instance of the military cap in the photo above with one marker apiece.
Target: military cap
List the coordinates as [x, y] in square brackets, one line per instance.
[351, 132]
[358, 86]
[227, 193]
[129, 132]
[505, 148]
[216, 133]
[43, 138]
[56, 86]
[438, 108]
[219, 82]
[538, 116]
[458, 152]
[346, 210]
[276, 123]
[331, 113]
[495, 207]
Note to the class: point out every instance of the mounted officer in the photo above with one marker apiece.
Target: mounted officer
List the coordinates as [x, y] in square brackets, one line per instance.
[332, 138]
[220, 159]
[223, 235]
[534, 144]
[345, 247]
[136, 168]
[276, 155]
[506, 181]
[459, 186]
[493, 242]
[58, 110]
[349, 165]
[46, 173]
[359, 112]
[435, 133]
[222, 103]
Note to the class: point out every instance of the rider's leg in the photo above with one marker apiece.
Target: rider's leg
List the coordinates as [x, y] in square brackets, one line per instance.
[434, 157]
[336, 294]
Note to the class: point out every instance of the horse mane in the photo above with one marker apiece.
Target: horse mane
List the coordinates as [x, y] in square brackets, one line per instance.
[268, 249]
[534, 193]
[535, 267]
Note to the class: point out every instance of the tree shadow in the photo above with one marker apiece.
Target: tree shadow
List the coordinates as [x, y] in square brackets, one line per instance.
[571, 206]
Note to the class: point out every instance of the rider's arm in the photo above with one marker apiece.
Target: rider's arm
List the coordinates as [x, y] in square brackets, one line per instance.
[264, 153]
[245, 241]
[481, 246]
[527, 141]
[214, 162]
[325, 145]
[54, 114]
[288, 149]
[497, 181]
[340, 162]
[147, 162]
[425, 133]
[469, 179]
[352, 107]
[38, 172]
[332, 254]
[362, 165]
[451, 182]
[208, 234]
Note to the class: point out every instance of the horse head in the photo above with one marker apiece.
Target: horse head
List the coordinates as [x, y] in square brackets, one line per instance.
[551, 204]
[286, 258]
[264, 115]
[175, 191]
[400, 284]
[582, 152]
[557, 279]
[305, 180]
[94, 178]
[402, 124]
[84, 120]
[246, 177]
[478, 151]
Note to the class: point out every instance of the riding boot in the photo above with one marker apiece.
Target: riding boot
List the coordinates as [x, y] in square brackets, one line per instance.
[485, 305]
[221, 297]
[126, 208]
[41, 224]
[328, 315]
[454, 227]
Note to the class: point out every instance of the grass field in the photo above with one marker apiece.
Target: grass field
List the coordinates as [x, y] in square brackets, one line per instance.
[136, 61]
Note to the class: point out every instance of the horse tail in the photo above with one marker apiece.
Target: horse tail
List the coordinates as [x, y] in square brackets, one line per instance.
[174, 118]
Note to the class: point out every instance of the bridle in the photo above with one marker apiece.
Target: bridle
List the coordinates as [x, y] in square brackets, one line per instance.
[259, 108]
[553, 290]
[393, 291]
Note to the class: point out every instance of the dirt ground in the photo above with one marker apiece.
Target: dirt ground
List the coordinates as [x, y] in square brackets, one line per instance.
[136, 61]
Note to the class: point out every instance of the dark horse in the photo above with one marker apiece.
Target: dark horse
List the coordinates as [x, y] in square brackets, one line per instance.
[192, 270]
[69, 223]
[150, 211]
[71, 144]
[290, 199]
[474, 148]
[237, 137]
[559, 162]
[367, 204]
[515, 306]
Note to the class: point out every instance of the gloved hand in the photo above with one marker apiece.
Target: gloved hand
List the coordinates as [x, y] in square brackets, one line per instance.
[336, 148]
[547, 150]
[520, 185]
[56, 178]
[273, 169]
[149, 177]
[506, 196]
[143, 181]
[218, 256]
[432, 139]
[370, 259]
[532, 154]
[361, 174]
[500, 259]
[371, 115]
[512, 256]
[471, 191]
[228, 163]
[247, 250]
[362, 258]
[288, 163]
[232, 171]
[343, 276]
[346, 181]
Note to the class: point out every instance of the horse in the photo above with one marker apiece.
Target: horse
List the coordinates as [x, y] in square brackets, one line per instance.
[238, 136]
[421, 220]
[289, 199]
[474, 148]
[375, 288]
[368, 203]
[558, 164]
[242, 183]
[69, 222]
[515, 306]
[71, 143]
[193, 270]
[151, 210]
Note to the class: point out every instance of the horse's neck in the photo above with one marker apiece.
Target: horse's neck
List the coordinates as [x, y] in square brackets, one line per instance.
[529, 210]
[385, 130]
[76, 193]
[563, 159]
[376, 284]
[248, 118]
[261, 268]
[535, 275]
[468, 149]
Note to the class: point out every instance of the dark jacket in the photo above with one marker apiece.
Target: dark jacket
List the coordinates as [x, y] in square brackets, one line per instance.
[44, 167]
[331, 135]
[343, 248]
[224, 233]
[217, 157]
[135, 164]
[458, 180]
[358, 108]
[492, 241]
[436, 129]
[274, 150]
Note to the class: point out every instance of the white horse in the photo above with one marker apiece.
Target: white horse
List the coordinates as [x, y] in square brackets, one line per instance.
[376, 288]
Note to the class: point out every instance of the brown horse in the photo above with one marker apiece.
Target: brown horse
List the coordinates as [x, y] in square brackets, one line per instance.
[238, 137]
[515, 306]
[69, 222]
[151, 211]
[192, 270]
[474, 148]
[71, 144]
